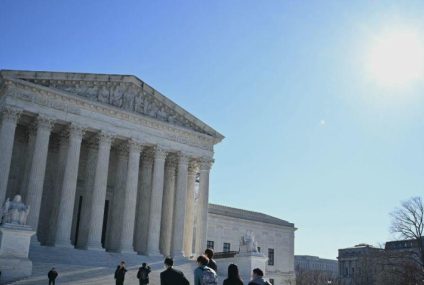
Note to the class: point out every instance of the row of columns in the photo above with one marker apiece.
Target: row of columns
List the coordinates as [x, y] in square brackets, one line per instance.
[169, 205]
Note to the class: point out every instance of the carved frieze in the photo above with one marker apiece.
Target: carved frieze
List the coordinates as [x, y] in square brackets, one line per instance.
[124, 95]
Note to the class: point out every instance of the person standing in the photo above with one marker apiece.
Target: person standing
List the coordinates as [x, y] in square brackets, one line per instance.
[120, 273]
[143, 274]
[172, 276]
[233, 277]
[52, 275]
[211, 263]
[203, 275]
[258, 278]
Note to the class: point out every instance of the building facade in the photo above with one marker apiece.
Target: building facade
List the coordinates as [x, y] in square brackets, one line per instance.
[315, 263]
[275, 239]
[105, 162]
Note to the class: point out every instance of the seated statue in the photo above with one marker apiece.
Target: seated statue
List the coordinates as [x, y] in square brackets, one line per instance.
[14, 212]
[248, 242]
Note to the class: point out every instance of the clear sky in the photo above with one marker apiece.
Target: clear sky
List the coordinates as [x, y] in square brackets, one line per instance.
[312, 136]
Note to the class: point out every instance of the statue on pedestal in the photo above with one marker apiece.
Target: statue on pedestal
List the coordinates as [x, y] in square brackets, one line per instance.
[248, 242]
[14, 212]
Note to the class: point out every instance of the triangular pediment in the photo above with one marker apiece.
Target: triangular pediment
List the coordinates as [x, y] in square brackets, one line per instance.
[121, 91]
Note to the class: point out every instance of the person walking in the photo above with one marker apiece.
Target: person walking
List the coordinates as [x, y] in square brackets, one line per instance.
[143, 274]
[211, 263]
[52, 275]
[172, 276]
[203, 275]
[233, 277]
[120, 273]
[258, 278]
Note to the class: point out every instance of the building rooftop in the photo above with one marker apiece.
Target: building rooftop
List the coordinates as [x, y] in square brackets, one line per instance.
[246, 215]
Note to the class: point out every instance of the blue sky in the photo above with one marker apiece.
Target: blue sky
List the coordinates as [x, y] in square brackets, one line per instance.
[310, 138]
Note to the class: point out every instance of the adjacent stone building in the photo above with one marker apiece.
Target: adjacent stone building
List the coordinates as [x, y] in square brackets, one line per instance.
[104, 161]
[315, 263]
[274, 237]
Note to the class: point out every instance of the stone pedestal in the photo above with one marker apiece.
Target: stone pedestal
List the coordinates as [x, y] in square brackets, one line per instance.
[14, 249]
[245, 261]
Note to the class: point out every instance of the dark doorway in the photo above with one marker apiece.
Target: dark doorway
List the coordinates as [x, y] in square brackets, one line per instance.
[78, 219]
[105, 215]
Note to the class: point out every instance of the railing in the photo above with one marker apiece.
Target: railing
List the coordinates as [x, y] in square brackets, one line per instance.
[227, 254]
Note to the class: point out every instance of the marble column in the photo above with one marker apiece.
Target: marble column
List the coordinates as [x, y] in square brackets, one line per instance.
[60, 167]
[144, 197]
[29, 152]
[99, 193]
[38, 170]
[168, 206]
[180, 206]
[67, 196]
[202, 219]
[10, 118]
[189, 218]
[156, 203]
[130, 198]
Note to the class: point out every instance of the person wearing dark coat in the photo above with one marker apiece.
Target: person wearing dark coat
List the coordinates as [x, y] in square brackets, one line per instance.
[120, 273]
[211, 263]
[172, 276]
[258, 278]
[52, 275]
[143, 274]
[233, 277]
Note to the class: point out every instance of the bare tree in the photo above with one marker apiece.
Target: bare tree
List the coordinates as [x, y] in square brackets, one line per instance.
[408, 223]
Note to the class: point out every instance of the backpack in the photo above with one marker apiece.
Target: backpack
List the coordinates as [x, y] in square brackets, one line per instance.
[208, 277]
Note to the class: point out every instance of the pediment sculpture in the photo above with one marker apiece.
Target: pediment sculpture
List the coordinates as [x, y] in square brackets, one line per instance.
[124, 95]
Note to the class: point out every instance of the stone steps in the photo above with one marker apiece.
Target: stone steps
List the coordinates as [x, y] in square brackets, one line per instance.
[93, 267]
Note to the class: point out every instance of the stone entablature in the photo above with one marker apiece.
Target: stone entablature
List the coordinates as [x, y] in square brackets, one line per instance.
[30, 87]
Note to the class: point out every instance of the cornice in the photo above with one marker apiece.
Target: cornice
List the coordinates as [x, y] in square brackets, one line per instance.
[45, 95]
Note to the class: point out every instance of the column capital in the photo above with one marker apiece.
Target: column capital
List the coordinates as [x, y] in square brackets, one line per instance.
[76, 131]
[122, 149]
[134, 146]
[11, 113]
[205, 163]
[183, 158]
[105, 138]
[171, 161]
[45, 122]
[193, 167]
[160, 153]
[148, 154]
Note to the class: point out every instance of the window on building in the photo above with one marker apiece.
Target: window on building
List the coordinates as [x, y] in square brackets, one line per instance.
[259, 249]
[226, 247]
[210, 244]
[270, 256]
[271, 280]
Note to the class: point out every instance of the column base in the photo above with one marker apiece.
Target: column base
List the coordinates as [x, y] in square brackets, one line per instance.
[34, 240]
[96, 246]
[63, 244]
[153, 253]
[178, 254]
[127, 251]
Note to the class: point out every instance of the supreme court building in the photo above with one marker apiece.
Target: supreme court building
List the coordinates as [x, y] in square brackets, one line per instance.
[104, 162]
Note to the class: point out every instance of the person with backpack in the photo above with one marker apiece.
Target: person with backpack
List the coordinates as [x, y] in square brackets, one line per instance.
[203, 275]
[143, 274]
[258, 278]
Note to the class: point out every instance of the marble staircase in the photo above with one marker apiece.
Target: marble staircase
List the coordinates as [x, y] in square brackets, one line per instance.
[93, 267]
